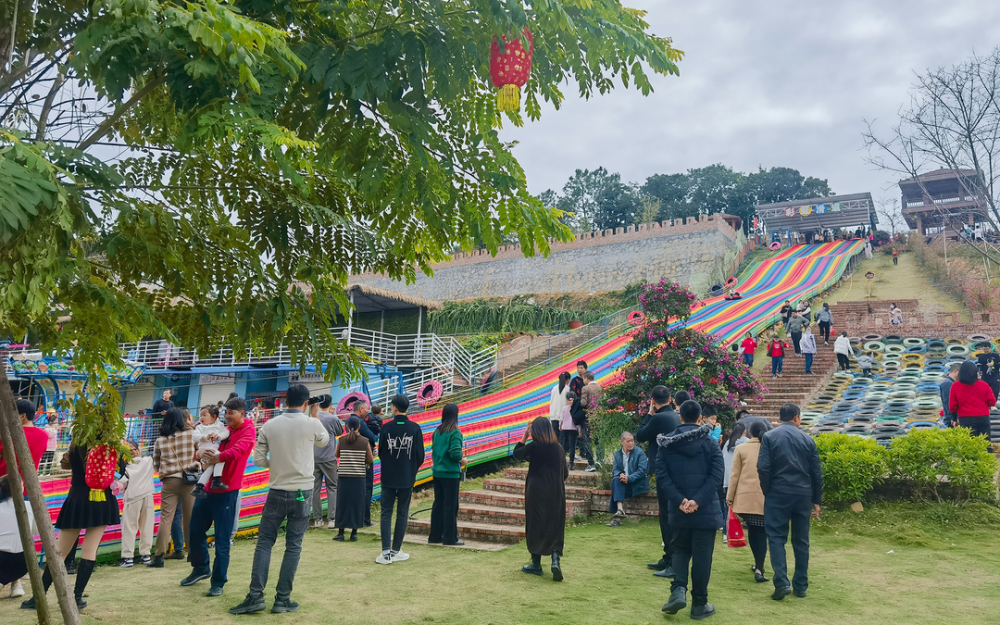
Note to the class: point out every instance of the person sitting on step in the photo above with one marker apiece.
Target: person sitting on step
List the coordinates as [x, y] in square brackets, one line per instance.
[629, 476]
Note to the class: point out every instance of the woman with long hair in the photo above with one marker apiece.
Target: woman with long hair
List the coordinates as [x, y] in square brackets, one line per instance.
[557, 400]
[81, 512]
[446, 451]
[745, 497]
[355, 454]
[971, 400]
[173, 454]
[544, 496]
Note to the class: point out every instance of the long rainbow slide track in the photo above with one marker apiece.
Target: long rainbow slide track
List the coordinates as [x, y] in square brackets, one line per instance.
[494, 423]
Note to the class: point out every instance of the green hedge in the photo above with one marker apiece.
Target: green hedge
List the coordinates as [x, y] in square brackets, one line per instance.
[943, 464]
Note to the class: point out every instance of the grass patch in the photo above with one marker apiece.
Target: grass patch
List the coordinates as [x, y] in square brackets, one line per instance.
[942, 569]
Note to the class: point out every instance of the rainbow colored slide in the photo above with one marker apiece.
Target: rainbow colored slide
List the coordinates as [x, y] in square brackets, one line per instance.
[493, 424]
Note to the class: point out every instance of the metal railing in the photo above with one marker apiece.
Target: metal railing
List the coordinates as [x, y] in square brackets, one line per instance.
[405, 350]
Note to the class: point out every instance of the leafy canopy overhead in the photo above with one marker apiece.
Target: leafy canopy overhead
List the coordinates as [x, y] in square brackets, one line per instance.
[213, 172]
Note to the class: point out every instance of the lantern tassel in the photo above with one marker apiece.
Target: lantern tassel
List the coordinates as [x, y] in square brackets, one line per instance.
[97, 495]
[509, 98]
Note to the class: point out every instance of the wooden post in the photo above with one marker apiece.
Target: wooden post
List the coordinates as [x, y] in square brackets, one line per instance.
[67, 603]
[23, 525]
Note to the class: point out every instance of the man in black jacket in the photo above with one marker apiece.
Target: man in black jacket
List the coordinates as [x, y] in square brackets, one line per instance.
[161, 406]
[401, 452]
[792, 482]
[690, 469]
[662, 419]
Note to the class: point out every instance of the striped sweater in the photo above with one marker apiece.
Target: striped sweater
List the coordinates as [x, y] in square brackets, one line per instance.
[354, 457]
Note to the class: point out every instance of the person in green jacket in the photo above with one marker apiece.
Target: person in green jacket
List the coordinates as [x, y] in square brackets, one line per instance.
[446, 451]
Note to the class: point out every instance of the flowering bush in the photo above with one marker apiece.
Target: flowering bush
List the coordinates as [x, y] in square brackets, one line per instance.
[665, 352]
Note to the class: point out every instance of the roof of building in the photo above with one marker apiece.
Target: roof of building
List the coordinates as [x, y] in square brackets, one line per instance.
[370, 299]
[820, 213]
[939, 174]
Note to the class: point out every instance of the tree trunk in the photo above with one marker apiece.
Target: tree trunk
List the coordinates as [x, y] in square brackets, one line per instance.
[23, 524]
[67, 603]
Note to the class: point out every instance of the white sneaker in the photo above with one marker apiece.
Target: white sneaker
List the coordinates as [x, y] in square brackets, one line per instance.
[384, 558]
[399, 556]
[16, 590]
[332, 525]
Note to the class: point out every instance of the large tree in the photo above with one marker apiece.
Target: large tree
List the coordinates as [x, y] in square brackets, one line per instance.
[213, 172]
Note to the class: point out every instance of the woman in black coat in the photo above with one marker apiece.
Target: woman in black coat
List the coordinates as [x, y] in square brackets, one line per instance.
[544, 495]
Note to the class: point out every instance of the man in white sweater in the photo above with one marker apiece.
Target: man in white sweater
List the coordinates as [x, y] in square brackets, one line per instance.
[284, 444]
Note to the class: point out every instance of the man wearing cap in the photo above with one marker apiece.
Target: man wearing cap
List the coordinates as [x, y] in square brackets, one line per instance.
[948, 419]
[988, 363]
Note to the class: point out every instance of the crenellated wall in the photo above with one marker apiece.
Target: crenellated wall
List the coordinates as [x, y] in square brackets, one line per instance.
[596, 261]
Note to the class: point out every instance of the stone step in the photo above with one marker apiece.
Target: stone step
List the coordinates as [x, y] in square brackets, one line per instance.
[505, 485]
[511, 501]
[491, 515]
[646, 505]
[467, 530]
[576, 478]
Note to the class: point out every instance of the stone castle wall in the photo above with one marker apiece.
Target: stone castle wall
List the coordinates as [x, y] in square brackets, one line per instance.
[594, 262]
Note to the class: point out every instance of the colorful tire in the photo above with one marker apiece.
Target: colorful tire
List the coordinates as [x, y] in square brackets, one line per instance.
[429, 393]
[774, 246]
[636, 317]
[350, 398]
[732, 282]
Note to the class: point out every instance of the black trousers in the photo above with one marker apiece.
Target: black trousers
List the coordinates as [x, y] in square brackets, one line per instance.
[444, 513]
[693, 547]
[844, 362]
[725, 509]
[757, 538]
[779, 512]
[369, 488]
[796, 337]
[980, 426]
[824, 330]
[666, 532]
[391, 497]
[583, 442]
[567, 438]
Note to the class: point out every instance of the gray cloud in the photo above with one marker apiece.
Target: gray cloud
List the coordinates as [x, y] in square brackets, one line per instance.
[775, 83]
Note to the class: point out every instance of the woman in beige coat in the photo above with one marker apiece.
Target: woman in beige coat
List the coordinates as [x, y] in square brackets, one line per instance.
[747, 500]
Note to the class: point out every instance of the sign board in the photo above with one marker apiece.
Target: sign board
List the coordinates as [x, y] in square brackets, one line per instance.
[308, 376]
[870, 275]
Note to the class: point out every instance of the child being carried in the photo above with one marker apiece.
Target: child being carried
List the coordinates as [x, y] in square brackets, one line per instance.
[207, 434]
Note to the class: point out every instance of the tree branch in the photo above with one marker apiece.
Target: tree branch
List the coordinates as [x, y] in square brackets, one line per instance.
[44, 115]
[106, 125]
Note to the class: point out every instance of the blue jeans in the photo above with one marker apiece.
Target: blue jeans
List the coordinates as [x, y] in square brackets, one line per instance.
[220, 509]
[280, 505]
[748, 360]
[809, 363]
[617, 493]
[390, 497]
[776, 364]
[779, 511]
[177, 531]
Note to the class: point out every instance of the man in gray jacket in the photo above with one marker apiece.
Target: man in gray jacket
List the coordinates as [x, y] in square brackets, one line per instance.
[284, 446]
[792, 482]
[325, 460]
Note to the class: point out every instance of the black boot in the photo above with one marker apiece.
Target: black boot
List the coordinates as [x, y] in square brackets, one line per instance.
[535, 568]
[70, 562]
[340, 535]
[354, 535]
[82, 578]
[677, 601]
[29, 604]
[556, 570]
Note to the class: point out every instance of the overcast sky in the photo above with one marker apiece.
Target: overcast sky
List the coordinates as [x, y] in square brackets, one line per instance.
[763, 83]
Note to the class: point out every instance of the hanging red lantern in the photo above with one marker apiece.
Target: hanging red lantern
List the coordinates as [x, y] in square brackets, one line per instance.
[510, 68]
[100, 471]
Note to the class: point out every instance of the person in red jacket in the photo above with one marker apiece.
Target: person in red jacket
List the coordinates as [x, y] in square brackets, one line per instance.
[219, 507]
[776, 350]
[971, 400]
[749, 346]
[38, 439]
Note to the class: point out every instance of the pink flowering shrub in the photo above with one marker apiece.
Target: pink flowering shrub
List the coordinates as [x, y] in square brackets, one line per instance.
[678, 358]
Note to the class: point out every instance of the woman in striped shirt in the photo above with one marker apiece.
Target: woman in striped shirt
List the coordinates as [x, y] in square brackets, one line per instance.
[355, 454]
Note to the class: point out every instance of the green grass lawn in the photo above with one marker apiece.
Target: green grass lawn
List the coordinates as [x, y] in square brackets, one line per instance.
[943, 568]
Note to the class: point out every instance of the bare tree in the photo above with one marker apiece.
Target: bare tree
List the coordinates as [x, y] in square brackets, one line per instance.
[888, 212]
[951, 121]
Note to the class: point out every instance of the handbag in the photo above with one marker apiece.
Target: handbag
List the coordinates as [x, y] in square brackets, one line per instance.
[189, 477]
[734, 531]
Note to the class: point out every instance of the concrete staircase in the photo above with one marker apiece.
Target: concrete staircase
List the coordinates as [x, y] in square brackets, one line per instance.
[795, 386]
[495, 514]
